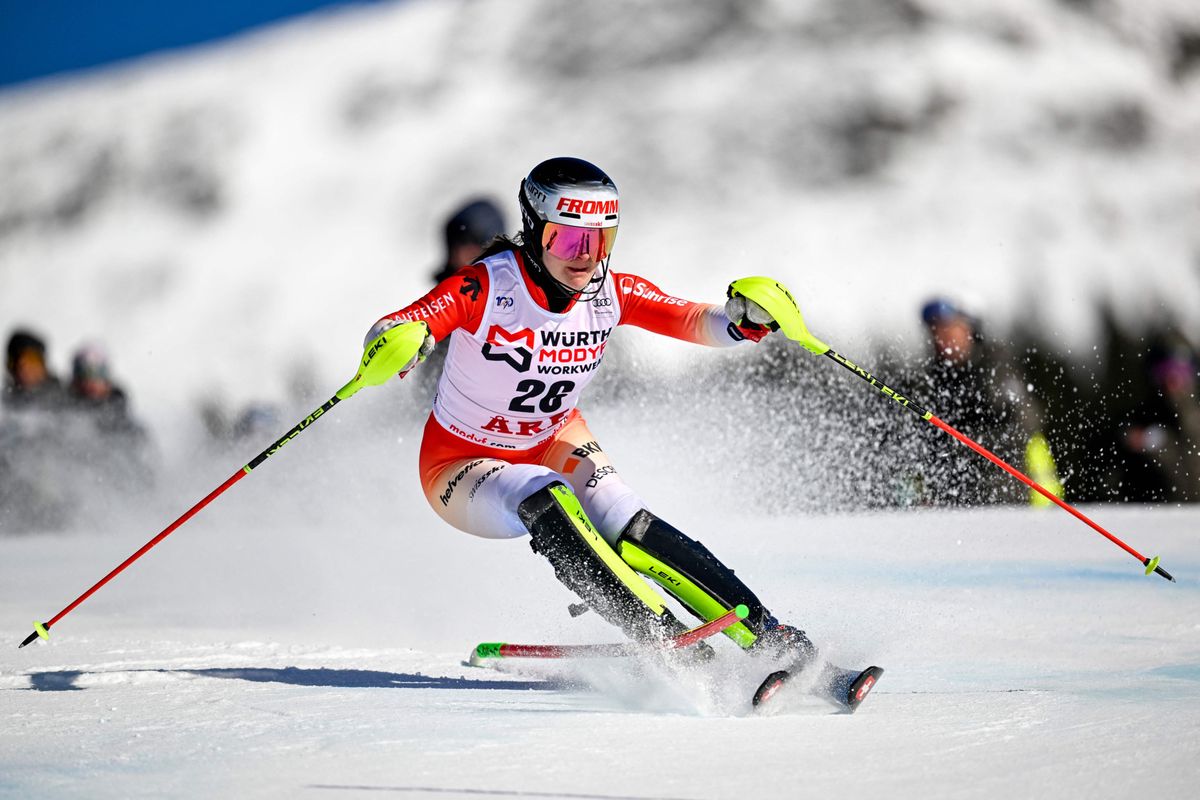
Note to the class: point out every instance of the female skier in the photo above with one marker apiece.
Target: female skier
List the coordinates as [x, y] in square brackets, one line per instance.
[506, 452]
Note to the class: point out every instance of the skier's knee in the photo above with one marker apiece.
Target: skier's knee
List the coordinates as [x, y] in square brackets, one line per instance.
[546, 515]
[560, 530]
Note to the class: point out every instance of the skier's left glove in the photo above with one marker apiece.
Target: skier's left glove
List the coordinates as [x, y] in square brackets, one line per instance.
[750, 319]
[426, 348]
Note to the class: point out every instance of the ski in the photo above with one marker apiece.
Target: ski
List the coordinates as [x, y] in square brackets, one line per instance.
[845, 688]
[488, 651]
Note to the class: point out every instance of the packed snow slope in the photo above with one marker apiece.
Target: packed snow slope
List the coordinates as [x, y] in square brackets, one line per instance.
[231, 220]
[1025, 657]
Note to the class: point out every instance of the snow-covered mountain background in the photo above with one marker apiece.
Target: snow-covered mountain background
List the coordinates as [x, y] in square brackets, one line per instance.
[230, 219]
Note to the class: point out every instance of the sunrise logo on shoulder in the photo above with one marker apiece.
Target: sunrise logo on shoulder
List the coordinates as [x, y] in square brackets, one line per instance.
[630, 285]
[509, 344]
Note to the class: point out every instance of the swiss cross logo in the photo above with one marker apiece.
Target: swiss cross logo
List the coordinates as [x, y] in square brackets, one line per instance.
[506, 346]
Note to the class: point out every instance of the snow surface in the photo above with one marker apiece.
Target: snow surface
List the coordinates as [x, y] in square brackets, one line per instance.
[231, 221]
[1025, 657]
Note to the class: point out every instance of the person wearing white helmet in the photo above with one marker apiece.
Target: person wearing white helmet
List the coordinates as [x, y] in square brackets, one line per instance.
[506, 452]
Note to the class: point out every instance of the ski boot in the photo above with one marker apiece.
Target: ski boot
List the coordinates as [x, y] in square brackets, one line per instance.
[784, 643]
[706, 587]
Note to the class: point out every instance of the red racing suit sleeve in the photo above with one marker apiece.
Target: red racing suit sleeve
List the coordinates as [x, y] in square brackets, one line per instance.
[457, 302]
[646, 306]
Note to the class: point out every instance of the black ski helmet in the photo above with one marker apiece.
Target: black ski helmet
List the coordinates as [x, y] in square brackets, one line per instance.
[478, 223]
[566, 191]
[23, 341]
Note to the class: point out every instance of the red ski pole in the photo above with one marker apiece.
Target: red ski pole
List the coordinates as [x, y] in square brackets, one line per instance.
[383, 358]
[783, 308]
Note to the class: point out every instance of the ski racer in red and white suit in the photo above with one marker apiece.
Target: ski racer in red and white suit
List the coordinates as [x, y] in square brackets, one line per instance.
[504, 421]
[506, 452]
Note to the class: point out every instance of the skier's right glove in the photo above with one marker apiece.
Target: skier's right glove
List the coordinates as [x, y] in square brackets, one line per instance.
[424, 350]
[423, 353]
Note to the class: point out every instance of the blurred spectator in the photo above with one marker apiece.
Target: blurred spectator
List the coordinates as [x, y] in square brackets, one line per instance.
[954, 334]
[66, 452]
[259, 423]
[468, 231]
[959, 360]
[29, 382]
[972, 389]
[107, 438]
[1157, 443]
[92, 390]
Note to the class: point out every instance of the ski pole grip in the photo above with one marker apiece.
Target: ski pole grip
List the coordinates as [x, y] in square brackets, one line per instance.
[777, 301]
[387, 354]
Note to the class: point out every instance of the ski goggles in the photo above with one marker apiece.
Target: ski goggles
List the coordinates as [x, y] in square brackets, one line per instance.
[571, 243]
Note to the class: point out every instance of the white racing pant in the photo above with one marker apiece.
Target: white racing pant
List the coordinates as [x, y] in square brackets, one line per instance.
[477, 489]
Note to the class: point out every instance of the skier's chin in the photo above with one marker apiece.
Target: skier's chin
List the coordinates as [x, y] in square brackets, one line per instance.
[577, 277]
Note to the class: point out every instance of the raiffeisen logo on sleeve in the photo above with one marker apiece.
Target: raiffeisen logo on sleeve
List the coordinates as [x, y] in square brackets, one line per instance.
[642, 289]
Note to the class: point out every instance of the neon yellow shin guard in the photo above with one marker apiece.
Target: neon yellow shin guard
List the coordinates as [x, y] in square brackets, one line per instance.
[684, 589]
[588, 566]
[690, 573]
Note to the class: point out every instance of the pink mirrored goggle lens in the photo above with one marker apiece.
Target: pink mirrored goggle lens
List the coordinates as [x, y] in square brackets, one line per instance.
[574, 244]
